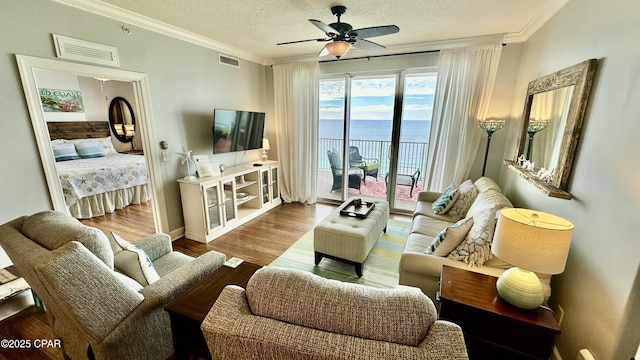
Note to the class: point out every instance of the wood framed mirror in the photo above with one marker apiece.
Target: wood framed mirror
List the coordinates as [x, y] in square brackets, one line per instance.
[551, 124]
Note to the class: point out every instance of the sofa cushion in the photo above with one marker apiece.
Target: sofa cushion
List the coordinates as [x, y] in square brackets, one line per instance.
[134, 262]
[417, 243]
[467, 194]
[484, 183]
[487, 199]
[444, 202]
[53, 229]
[400, 315]
[427, 225]
[425, 208]
[449, 238]
[476, 247]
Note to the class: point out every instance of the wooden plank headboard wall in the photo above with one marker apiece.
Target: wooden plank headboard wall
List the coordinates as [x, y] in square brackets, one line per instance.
[78, 129]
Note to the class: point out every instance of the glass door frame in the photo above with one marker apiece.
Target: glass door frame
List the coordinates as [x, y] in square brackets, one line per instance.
[399, 76]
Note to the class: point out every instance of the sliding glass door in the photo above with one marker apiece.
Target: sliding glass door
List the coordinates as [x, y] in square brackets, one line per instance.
[374, 130]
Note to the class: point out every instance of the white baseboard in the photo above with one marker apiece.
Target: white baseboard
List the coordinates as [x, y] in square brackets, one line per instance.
[177, 233]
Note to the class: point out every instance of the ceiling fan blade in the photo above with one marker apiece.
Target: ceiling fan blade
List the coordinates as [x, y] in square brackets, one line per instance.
[368, 45]
[324, 52]
[324, 27]
[376, 31]
[299, 41]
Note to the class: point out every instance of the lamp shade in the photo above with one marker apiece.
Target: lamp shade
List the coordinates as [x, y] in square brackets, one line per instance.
[265, 144]
[532, 240]
[338, 48]
[130, 130]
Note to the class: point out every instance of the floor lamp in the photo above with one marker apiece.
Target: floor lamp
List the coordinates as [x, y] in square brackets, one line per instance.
[490, 126]
[533, 128]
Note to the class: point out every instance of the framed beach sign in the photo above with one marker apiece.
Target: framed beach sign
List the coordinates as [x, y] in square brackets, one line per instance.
[58, 100]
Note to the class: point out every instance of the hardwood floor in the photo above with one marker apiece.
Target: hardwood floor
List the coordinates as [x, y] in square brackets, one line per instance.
[260, 241]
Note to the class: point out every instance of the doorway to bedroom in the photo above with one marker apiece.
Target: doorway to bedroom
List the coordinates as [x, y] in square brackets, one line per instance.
[97, 87]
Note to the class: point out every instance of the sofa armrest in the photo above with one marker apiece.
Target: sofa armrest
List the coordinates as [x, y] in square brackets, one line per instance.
[446, 335]
[155, 245]
[85, 290]
[430, 196]
[176, 282]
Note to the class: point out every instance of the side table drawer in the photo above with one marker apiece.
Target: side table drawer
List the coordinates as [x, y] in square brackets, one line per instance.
[486, 332]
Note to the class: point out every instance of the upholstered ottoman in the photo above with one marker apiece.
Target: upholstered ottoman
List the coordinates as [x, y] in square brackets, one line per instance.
[350, 239]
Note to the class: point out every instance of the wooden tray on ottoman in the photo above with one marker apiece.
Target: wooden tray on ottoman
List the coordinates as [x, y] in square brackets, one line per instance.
[360, 212]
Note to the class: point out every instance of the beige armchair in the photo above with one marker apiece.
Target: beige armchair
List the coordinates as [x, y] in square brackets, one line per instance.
[291, 314]
[97, 311]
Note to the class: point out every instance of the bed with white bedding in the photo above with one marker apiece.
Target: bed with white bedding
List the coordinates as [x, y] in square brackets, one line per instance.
[95, 178]
[96, 186]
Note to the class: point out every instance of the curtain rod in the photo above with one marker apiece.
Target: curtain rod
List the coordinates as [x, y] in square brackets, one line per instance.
[369, 57]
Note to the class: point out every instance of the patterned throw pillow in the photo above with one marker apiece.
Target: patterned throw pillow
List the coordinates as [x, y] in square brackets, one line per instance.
[449, 238]
[89, 149]
[476, 247]
[467, 192]
[64, 152]
[446, 200]
[134, 262]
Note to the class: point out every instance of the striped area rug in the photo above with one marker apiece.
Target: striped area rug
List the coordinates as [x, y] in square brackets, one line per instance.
[380, 269]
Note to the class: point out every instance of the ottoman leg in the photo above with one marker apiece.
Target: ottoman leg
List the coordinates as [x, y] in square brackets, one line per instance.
[318, 257]
[359, 269]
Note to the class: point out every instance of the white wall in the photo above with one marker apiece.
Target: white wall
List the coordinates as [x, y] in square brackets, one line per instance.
[186, 84]
[599, 288]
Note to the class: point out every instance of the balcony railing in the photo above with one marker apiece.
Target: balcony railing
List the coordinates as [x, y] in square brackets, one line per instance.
[411, 154]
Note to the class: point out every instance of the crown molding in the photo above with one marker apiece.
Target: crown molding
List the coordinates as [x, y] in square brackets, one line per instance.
[107, 10]
[536, 22]
[129, 17]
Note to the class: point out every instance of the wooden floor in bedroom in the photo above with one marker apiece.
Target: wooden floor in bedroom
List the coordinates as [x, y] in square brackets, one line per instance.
[259, 241]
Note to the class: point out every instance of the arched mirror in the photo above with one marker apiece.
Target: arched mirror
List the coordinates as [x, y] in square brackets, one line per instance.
[122, 120]
[551, 124]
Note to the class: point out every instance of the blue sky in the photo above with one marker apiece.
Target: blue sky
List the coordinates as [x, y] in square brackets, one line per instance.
[373, 97]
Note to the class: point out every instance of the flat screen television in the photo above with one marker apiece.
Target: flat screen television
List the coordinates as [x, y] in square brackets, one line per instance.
[236, 130]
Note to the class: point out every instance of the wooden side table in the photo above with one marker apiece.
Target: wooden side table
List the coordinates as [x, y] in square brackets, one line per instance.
[188, 310]
[494, 329]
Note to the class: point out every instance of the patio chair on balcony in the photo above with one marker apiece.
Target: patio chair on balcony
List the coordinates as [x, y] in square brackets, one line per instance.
[336, 170]
[369, 166]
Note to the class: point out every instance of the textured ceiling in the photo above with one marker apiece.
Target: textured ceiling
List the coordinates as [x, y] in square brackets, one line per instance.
[255, 27]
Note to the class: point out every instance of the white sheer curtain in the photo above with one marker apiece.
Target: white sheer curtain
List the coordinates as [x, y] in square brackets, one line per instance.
[463, 91]
[296, 111]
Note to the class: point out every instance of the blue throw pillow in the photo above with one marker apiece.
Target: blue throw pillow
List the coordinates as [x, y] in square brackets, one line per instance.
[446, 200]
[64, 152]
[89, 149]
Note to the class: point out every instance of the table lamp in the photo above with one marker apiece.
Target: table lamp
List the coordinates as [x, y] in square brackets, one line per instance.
[533, 241]
[265, 147]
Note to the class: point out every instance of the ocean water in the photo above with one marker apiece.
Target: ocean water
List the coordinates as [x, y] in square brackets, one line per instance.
[373, 138]
[411, 130]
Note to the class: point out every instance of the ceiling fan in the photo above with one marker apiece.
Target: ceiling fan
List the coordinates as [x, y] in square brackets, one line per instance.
[342, 36]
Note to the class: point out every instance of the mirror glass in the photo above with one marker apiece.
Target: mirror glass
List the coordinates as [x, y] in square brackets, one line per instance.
[547, 121]
[552, 120]
[122, 120]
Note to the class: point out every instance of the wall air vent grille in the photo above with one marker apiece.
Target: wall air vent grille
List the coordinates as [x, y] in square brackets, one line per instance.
[229, 61]
[85, 51]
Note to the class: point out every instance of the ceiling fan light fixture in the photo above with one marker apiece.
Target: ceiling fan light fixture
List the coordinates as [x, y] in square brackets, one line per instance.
[338, 48]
